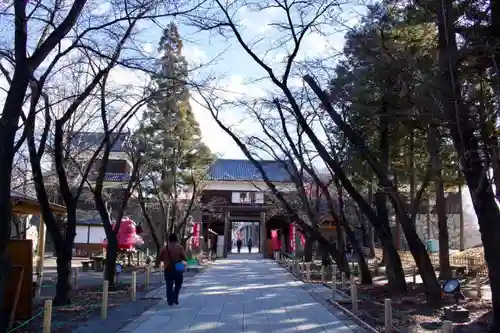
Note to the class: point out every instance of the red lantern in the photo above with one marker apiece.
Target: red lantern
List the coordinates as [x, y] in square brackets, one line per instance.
[127, 236]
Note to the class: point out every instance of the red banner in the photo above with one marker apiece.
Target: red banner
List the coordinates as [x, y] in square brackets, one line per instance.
[195, 239]
[292, 237]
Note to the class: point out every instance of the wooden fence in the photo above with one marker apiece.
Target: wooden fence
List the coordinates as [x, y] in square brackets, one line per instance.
[472, 260]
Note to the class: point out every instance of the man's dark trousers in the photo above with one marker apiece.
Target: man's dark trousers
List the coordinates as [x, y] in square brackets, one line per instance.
[173, 279]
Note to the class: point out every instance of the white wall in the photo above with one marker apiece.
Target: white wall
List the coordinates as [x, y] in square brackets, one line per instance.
[97, 234]
[472, 236]
[82, 234]
[244, 186]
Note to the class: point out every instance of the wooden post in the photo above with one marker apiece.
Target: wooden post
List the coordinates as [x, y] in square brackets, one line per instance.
[334, 280]
[478, 286]
[148, 274]
[47, 316]
[414, 275]
[354, 297]
[308, 272]
[133, 286]
[375, 267]
[75, 279]
[447, 326]
[387, 315]
[41, 257]
[342, 281]
[322, 274]
[104, 306]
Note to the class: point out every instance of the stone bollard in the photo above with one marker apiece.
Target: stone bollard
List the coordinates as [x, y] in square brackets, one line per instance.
[133, 286]
[354, 297]
[75, 279]
[387, 316]
[147, 278]
[308, 272]
[47, 316]
[342, 281]
[104, 305]
[334, 281]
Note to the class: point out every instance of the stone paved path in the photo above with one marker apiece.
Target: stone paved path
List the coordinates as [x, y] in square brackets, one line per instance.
[243, 293]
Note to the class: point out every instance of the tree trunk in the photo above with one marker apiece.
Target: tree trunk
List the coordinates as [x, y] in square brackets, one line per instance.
[467, 146]
[398, 201]
[371, 235]
[436, 165]
[364, 270]
[12, 109]
[111, 254]
[308, 248]
[393, 266]
[63, 285]
[366, 277]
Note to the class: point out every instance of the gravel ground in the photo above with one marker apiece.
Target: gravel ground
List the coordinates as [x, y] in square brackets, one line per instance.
[411, 313]
[85, 310]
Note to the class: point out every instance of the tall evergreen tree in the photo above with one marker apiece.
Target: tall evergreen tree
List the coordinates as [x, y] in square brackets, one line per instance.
[177, 157]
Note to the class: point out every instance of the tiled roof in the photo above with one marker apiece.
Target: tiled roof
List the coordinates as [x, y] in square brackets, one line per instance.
[88, 217]
[91, 140]
[111, 177]
[116, 177]
[89, 222]
[244, 170]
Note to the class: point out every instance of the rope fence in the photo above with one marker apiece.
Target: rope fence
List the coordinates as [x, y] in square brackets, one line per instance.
[86, 308]
[41, 313]
[349, 290]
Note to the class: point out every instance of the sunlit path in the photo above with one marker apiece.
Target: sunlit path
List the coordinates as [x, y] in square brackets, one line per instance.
[243, 293]
[244, 250]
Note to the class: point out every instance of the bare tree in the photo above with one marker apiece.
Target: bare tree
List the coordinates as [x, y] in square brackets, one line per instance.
[68, 33]
[298, 19]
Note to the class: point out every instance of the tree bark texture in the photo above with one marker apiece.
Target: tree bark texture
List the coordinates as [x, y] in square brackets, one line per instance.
[462, 131]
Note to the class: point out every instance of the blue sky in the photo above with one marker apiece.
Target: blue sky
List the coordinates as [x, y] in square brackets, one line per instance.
[235, 67]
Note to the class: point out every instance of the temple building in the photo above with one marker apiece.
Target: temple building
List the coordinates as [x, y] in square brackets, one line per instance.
[235, 194]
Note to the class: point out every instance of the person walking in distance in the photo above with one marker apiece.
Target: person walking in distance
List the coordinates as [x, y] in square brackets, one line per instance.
[249, 244]
[174, 264]
[239, 243]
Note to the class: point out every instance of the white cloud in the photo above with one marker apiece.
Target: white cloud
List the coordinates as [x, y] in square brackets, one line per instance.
[219, 142]
[236, 88]
[102, 9]
[257, 21]
[194, 54]
[316, 45]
